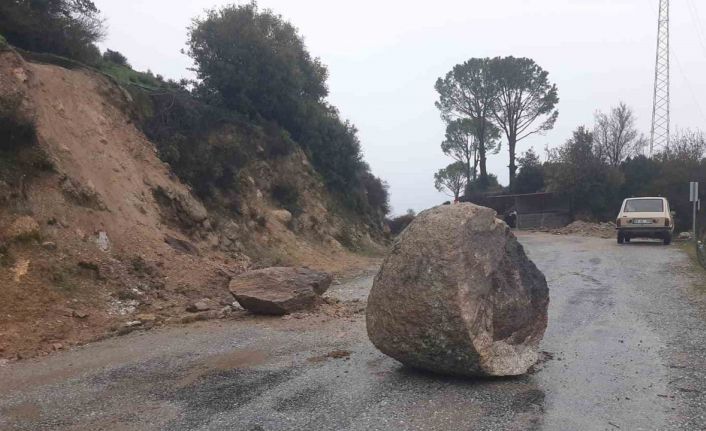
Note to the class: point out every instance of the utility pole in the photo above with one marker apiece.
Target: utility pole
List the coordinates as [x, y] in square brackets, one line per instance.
[659, 136]
[694, 198]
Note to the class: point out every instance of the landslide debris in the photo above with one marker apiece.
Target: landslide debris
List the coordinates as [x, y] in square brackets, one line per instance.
[93, 222]
[279, 291]
[585, 228]
[457, 295]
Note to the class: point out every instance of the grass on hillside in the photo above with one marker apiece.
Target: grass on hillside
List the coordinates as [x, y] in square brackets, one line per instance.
[125, 75]
[690, 249]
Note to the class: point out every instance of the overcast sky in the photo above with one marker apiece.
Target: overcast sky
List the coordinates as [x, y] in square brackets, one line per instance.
[384, 57]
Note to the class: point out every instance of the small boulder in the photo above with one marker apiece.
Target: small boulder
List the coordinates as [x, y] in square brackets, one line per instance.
[684, 236]
[198, 306]
[187, 209]
[49, 245]
[457, 295]
[102, 241]
[282, 216]
[79, 314]
[279, 290]
[22, 229]
[146, 318]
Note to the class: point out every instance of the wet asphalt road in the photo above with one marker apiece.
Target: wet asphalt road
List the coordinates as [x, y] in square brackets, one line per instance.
[626, 350]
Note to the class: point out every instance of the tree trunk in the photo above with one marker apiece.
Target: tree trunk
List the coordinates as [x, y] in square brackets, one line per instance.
[468, 171]
[475, 165]
[512, 143]
[481, 161]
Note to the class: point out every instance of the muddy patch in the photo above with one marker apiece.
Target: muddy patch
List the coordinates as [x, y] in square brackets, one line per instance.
[23, 412]
[334, 354]
[223, 362]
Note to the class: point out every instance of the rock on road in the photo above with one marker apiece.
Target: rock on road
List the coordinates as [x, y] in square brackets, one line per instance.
[626, 349]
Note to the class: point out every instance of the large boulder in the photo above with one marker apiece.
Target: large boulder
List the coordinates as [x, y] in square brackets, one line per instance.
[279, 290]
[457, 295]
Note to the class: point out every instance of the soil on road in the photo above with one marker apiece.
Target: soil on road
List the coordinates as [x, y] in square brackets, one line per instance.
[625, 349]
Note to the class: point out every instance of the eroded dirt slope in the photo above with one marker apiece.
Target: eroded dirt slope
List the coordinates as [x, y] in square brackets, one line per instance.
[111, 237]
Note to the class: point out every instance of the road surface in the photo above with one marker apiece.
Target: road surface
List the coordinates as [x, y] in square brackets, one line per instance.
[626, 349]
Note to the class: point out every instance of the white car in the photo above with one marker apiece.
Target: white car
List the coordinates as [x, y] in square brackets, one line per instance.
[645, 218]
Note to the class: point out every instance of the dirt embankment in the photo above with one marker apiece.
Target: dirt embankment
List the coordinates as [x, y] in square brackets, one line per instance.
[98, 236]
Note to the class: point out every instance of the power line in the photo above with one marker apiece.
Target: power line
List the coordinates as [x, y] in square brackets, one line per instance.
[688, 84]
[696, 20]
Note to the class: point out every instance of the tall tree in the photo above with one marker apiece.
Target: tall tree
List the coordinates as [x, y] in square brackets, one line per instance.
[616, 137]
[254, 62]
[451, 180]
[461, 146]
[466, 92]
[525, 102]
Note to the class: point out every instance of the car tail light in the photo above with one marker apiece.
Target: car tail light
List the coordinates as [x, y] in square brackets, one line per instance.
[618, 223]
[666, 222]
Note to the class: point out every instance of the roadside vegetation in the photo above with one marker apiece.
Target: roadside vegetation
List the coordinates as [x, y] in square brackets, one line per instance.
[491, 103]
[699, 267]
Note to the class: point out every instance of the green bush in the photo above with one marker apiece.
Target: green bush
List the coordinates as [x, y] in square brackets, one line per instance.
[255, 63]
[69, 28]
[288, 197]
[115, 57]
[7, 259]
[16, 128]
[398, 224]
[205, 146]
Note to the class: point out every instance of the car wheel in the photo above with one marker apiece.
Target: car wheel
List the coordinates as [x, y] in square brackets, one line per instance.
[621, 238]
[627, 239]
[667, 239]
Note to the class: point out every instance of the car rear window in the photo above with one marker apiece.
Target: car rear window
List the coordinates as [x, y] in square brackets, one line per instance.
[644, 206]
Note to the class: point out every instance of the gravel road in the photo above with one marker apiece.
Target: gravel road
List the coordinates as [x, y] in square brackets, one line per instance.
[625, 349]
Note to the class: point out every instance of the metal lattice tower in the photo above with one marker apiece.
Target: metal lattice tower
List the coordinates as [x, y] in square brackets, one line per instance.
[659, 136]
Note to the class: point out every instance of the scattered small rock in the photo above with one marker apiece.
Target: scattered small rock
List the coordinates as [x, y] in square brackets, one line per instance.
[181, 245]
[198, 306]
[146, 318]
[684, 236]
[282, 216]
[48, 245]
[79, 314]
[198, 317]
[102, 241]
